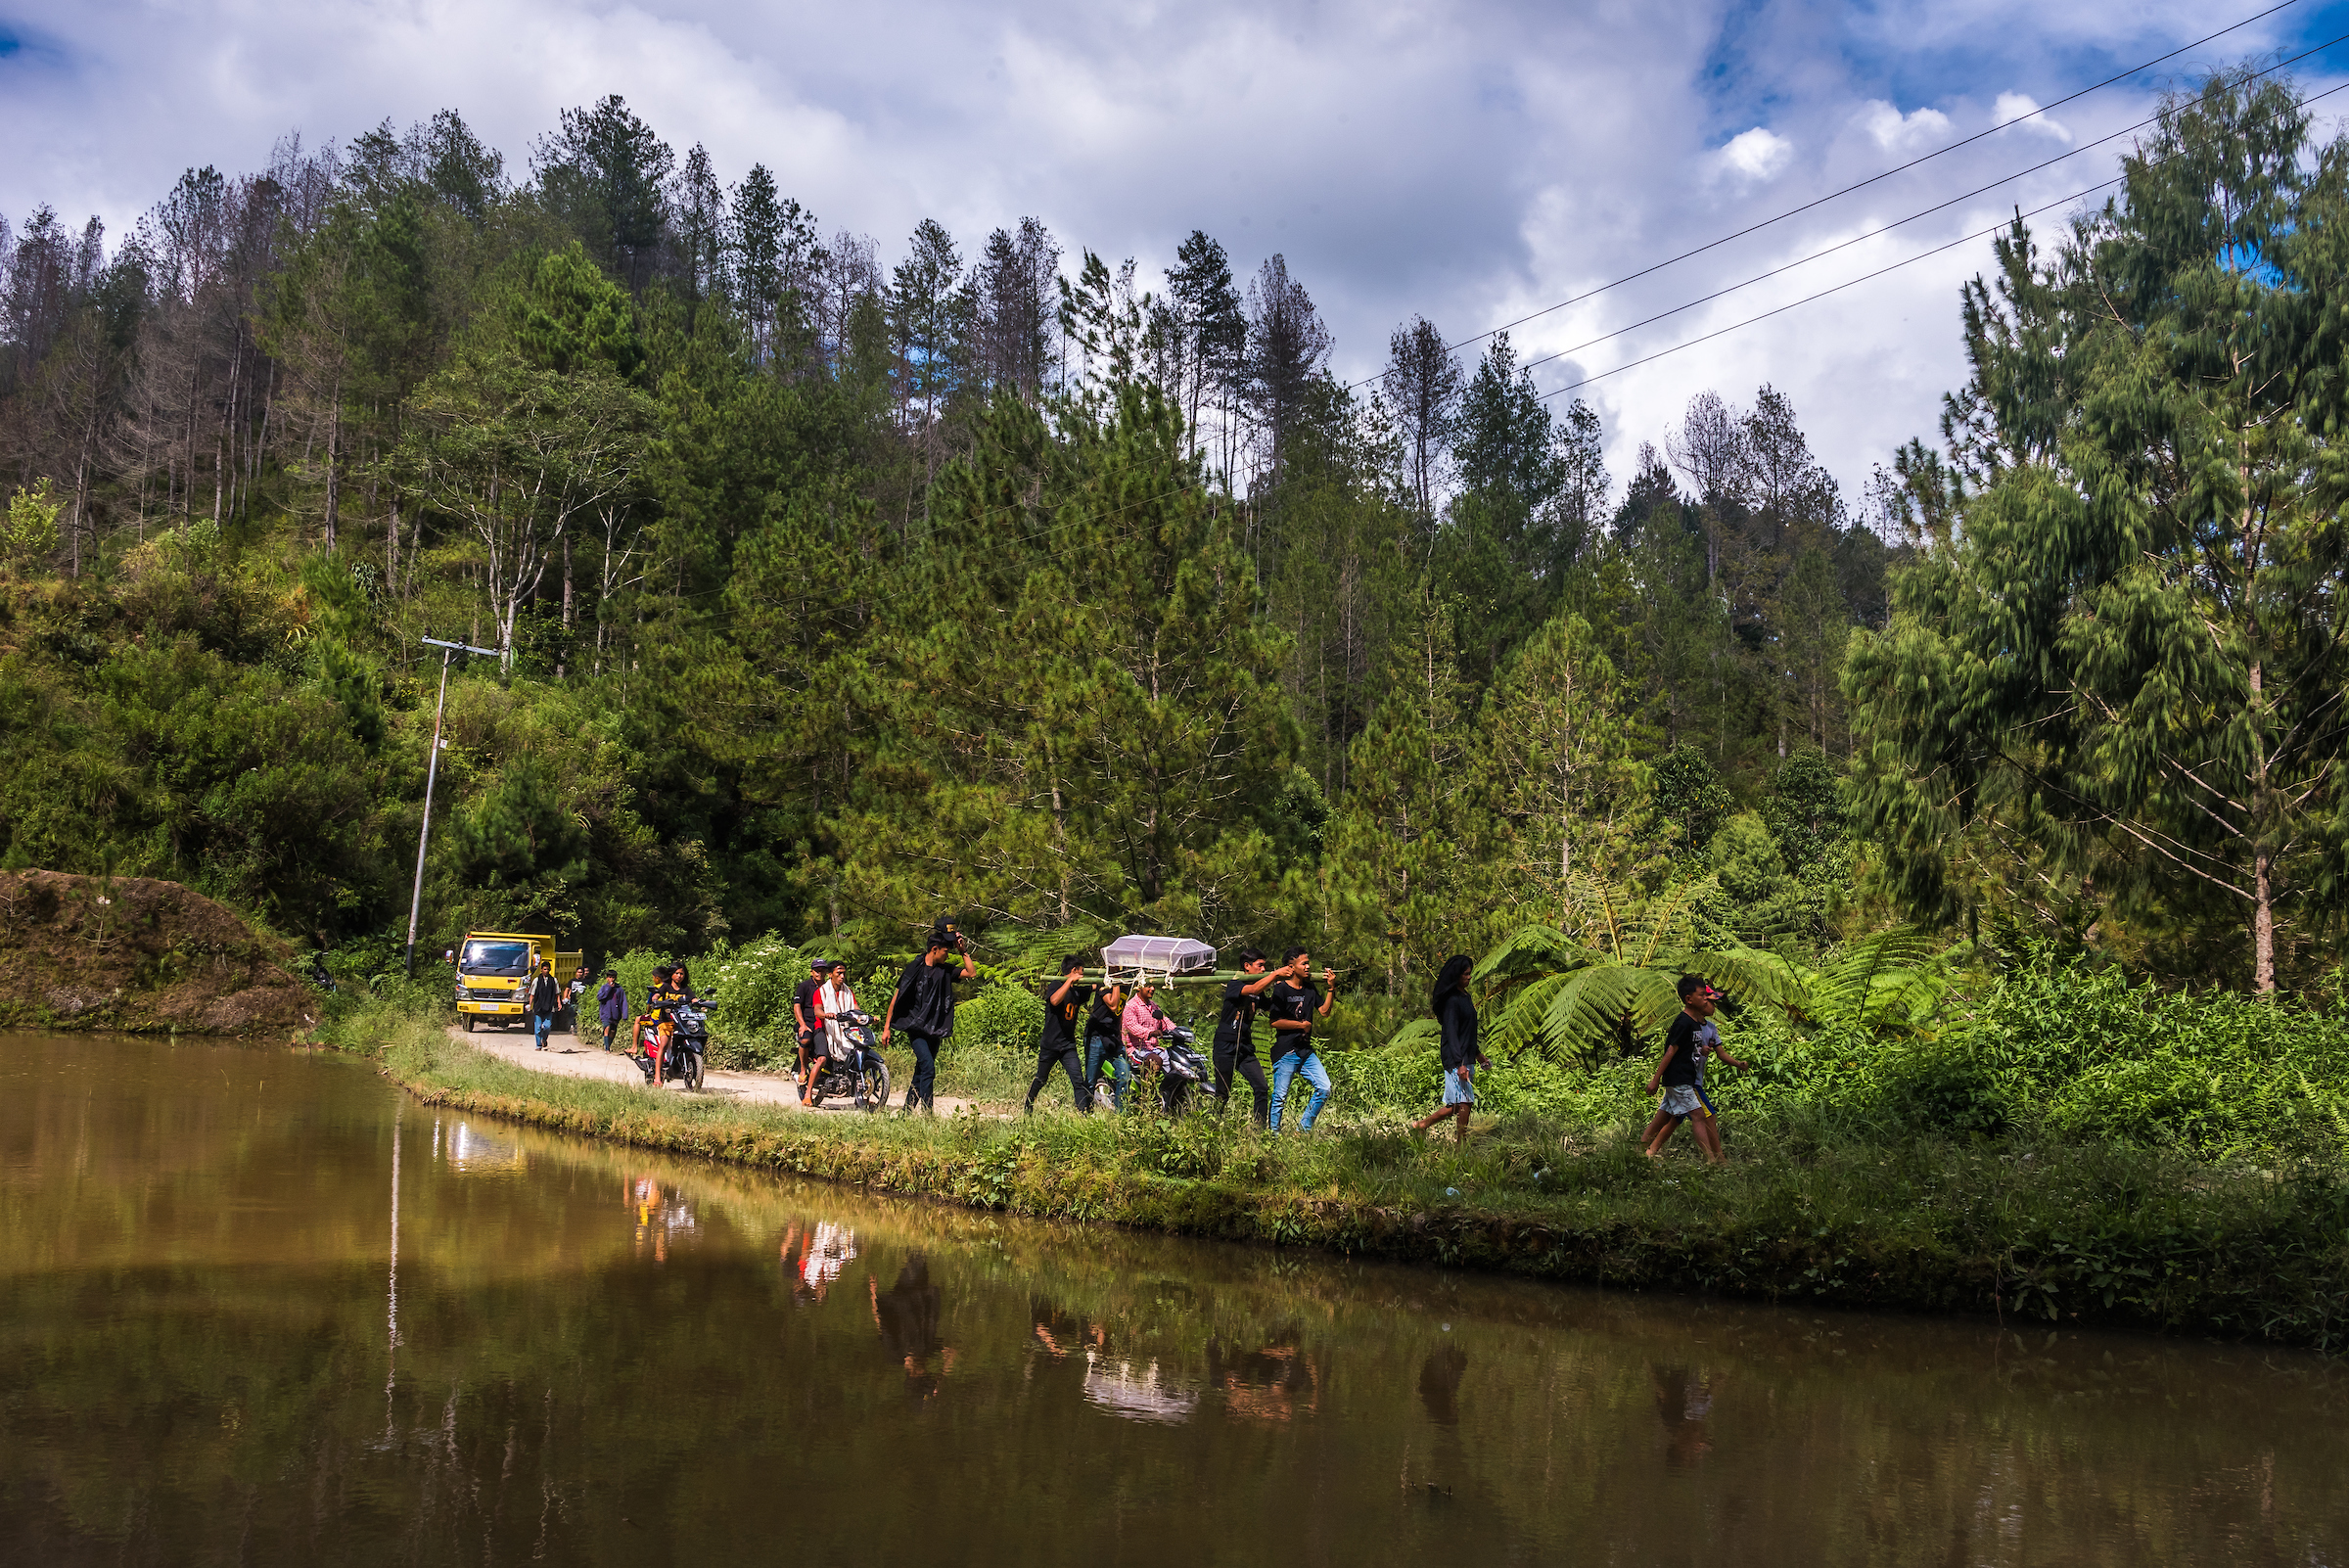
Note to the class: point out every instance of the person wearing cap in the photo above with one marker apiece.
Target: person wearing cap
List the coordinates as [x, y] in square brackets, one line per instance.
[1680, 1074]
[924, 1005]
[807, 1015]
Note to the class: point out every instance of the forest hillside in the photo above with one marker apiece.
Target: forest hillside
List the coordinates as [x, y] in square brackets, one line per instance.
[832, 587]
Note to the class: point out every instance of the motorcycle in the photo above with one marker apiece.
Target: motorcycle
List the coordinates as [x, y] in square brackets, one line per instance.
[1179, 1068]
[688, 1043]
[851, 1066]
[1185, 1072]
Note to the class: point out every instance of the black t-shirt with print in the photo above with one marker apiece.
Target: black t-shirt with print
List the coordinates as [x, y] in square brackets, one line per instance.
[1060, 1019]
[1686, 1040]
[1236, 1026]
[1294, 1003]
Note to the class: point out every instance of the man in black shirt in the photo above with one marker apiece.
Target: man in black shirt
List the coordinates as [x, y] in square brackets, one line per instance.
[1235, 1031]
[1064, 1005]
[1294, 1004]
[925, 1005]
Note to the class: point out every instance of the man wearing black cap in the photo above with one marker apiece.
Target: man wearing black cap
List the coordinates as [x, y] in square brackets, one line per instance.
[924, 1005]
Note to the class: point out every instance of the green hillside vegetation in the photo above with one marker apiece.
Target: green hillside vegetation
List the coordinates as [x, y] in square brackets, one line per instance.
[2003, 798]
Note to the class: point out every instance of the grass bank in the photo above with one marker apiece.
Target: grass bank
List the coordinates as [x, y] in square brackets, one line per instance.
[2030, 1226]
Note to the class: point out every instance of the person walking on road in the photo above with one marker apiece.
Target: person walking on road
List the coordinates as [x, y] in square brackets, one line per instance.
[1295, 1002]
[1235, 1031]
[1065, 1006]
[1455, 1019]
[924, 1005]
[611, 1005]
[547, 1000]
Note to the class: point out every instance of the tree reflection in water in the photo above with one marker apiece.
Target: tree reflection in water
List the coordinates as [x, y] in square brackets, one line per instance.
[192, 1273]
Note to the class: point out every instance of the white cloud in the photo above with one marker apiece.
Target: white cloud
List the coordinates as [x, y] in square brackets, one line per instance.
[1473, 162]
[2014, 106]
[1895, 132]
[1756, 155]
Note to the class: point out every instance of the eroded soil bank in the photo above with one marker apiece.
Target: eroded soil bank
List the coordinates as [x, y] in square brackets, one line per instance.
[139, 954]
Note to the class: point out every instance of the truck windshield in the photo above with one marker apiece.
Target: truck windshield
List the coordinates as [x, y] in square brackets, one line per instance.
[495, 958]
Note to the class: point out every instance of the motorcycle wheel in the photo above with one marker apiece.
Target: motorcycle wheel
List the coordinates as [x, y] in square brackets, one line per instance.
[693, 1069]
[872, 1090]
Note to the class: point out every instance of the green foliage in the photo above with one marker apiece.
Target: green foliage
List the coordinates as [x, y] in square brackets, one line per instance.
[31, 535]
[1688, 798]
[1001, 1018]
[567, 316]
[2107, 679]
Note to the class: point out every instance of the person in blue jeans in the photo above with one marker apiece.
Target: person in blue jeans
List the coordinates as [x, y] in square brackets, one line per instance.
[1294, 1003]
[547, 1000]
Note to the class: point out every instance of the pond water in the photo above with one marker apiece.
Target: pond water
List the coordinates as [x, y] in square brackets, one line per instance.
[258, 1307]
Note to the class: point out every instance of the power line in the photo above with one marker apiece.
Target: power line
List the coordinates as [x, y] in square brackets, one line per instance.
[1872, 179]
[1980, 189]
[1863, 278]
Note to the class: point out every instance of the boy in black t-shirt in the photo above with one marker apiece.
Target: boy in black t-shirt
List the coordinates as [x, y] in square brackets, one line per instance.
[1680, 1073]
[1295, 1002]
[1235, 1031]
[1064, 1006]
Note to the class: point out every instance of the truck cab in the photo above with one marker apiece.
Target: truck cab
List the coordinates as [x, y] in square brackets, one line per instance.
[494, 970]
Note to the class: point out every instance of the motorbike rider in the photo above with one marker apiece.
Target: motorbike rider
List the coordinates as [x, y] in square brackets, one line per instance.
[833, 1001]
[808, 1014]
[1143, 1026]
[661, 1001]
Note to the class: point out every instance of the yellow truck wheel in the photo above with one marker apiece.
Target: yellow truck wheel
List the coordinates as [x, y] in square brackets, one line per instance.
[468, 1017]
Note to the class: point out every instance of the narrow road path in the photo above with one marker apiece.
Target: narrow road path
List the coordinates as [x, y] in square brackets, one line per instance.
[566, 1057]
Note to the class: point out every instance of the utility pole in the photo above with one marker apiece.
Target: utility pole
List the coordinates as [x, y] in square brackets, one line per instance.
[432, 771]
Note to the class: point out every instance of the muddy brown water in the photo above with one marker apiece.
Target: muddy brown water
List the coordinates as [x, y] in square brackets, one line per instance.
[260, 1307]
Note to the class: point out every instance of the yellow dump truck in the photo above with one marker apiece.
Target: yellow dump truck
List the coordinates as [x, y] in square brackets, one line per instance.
[494, 970]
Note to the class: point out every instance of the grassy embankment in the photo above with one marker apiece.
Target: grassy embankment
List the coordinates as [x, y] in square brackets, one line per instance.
[2031, 1223]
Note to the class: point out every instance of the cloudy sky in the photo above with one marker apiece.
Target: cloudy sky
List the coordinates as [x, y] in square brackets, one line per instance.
[1472, 163]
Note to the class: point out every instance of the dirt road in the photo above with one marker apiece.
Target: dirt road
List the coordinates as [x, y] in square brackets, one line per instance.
[566, 1057]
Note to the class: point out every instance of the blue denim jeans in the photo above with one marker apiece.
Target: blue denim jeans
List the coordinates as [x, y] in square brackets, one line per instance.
[1100, 1051]
[925, 1070]
[1288, 1067]
[540, 1023]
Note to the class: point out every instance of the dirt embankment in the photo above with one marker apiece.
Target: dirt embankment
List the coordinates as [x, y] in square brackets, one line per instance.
[135, 954]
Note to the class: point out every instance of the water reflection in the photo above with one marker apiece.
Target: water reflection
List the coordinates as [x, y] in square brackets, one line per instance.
[478, 1150]
[908, 1315]
[1683, 1402]
[814, 1256]
[1273, 1382]
[661, 1217]
[205, 1356]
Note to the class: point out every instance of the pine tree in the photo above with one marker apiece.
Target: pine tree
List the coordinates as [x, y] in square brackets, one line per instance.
[2127, 659]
